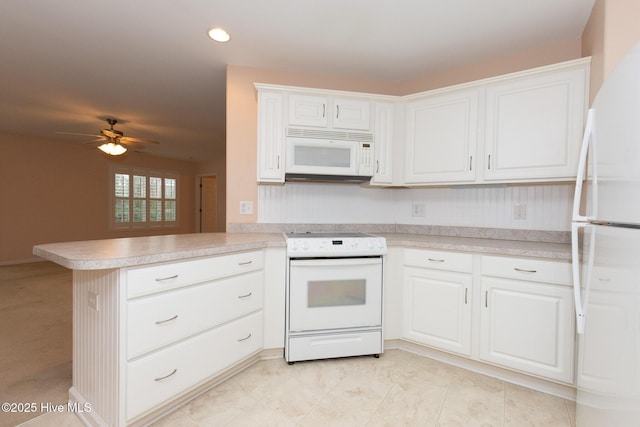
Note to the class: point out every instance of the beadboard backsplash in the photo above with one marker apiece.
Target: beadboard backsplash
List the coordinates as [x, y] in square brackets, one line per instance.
[548, 206]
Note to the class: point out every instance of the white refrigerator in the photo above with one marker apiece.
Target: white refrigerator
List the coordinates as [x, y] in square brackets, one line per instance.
[606, 254]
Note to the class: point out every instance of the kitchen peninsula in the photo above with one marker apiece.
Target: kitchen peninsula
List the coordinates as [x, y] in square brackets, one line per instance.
[160, 319]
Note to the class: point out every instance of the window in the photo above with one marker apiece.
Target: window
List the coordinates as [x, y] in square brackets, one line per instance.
[143, 198]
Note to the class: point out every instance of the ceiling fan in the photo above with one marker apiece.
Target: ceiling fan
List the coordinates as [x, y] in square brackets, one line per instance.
[113, 141]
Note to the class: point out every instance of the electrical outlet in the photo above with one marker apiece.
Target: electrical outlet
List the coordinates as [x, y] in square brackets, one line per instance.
[93, 300]
[519, 211]
[417, 210]
[246, 208]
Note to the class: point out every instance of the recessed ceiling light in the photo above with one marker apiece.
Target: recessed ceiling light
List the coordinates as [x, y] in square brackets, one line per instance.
[219, 35]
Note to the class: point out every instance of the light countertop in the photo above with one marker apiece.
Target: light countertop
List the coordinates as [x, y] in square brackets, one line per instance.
[133, 251]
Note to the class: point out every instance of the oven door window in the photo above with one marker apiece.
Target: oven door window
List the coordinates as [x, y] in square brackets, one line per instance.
[335, 293]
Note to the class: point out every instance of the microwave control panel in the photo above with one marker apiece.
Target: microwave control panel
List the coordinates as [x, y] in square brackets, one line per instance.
[366, 159]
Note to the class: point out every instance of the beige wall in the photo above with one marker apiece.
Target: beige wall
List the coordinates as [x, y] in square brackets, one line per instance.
[517, 61]
[242, 110]
[52, 191]
[611, 31]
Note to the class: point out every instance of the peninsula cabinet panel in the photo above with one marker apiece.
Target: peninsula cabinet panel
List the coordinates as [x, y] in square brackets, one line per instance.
[441, 134]
[534, 126]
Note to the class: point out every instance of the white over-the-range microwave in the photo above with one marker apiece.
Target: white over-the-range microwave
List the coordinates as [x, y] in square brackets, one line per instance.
[320, 155]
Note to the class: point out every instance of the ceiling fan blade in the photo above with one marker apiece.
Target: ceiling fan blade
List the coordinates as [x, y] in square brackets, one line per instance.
[110, 133]
[78, 134]
[95, 141]
[126, 139]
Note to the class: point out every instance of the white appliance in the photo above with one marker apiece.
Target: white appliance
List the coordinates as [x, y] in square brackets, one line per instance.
[333, 295]
[606, 254]
[328, 155]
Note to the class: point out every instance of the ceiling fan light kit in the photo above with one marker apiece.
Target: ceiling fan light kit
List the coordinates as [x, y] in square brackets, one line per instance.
[112, 149]
[114, 140]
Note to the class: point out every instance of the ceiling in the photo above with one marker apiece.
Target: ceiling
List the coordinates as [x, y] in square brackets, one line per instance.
[67, 65]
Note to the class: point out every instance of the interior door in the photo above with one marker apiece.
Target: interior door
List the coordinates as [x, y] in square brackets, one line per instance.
[208, 204]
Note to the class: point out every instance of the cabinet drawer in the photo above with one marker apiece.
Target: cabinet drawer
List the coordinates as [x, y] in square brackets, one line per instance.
[157, 378]
[528, 269]
[158, 278]
[440, 260]
[159, 320]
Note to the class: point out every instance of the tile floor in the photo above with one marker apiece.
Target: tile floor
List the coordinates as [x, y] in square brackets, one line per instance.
[398, 389]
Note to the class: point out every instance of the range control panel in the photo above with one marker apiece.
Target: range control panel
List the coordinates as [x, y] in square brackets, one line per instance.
[307, 245]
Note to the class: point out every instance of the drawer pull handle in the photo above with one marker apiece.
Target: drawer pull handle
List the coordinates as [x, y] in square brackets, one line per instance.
[246, 295]
[162, 279]
[166, 376]
[522, 270]
[245, 262]
[435, 260]
[160, 322]
[245, 338]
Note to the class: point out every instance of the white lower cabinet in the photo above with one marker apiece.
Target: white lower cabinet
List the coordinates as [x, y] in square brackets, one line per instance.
[437, 299]
[154, 379]
[146, 338]
[523, 306]
[181, 337]
[526, 317]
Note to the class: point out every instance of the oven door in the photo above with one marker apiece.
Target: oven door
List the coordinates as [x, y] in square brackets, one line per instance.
[334, 293]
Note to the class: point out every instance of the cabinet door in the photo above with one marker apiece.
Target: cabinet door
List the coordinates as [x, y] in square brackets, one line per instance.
[528, 327]
[534, 126]
[383, 144]
[270, 137]
[441, 138]
[351, 114]
[307, 110]
[437, 309]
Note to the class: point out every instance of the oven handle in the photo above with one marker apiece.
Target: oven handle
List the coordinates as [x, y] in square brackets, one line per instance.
[328, 262]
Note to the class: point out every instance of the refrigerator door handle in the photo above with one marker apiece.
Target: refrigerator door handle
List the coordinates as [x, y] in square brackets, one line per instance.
[579, 298]
[582, 167]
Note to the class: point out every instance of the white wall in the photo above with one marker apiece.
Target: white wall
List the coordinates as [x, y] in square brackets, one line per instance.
[548, 206]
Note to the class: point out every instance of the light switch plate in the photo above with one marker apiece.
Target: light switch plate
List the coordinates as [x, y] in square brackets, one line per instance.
[519, 211]
[246, 207]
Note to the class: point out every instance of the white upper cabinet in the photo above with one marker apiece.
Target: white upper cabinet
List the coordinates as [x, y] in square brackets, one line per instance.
[351, 114]
[534, 126]
[516, 128]
[383, 136]
[441, 138]
[270, 137]
[521, 127]
[328, 111]
[307, 110]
